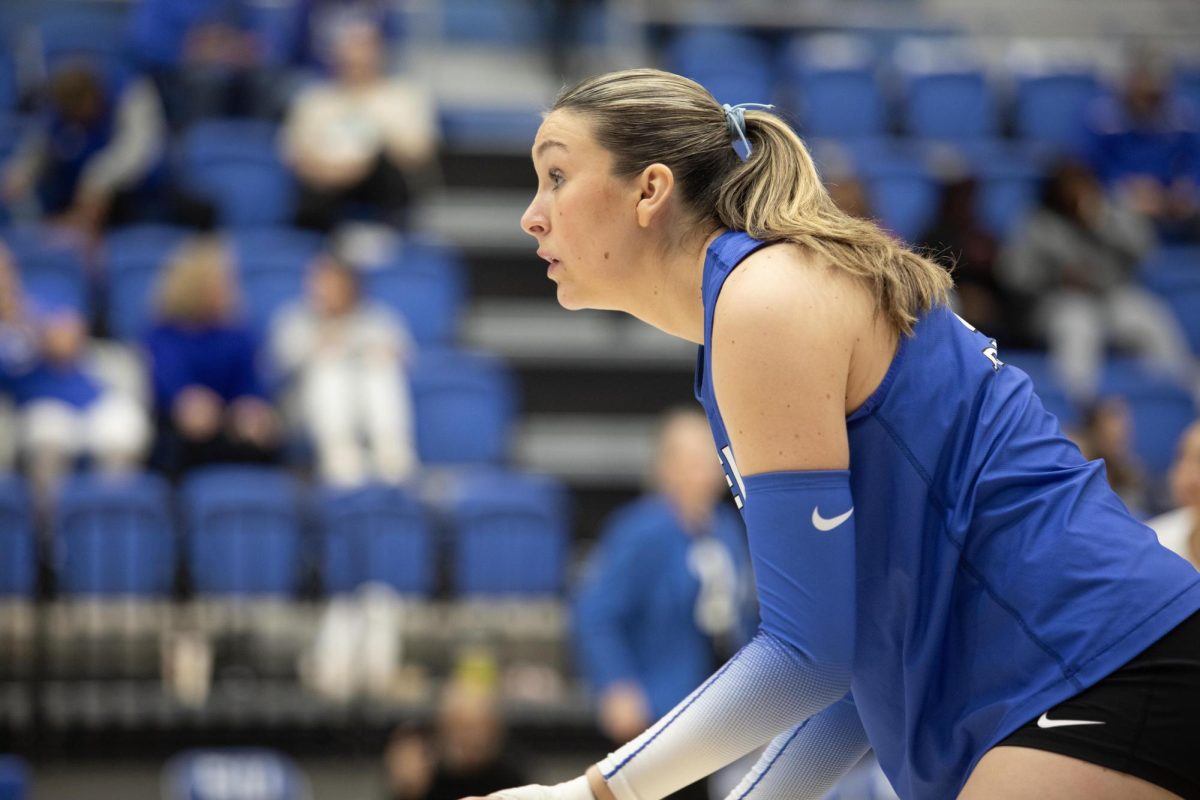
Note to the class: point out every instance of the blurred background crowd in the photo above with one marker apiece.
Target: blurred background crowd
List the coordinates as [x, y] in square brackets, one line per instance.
[309, 488]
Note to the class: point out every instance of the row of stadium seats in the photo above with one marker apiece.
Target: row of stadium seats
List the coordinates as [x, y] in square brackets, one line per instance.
[845, 86]
[422, 280]
[249, 531]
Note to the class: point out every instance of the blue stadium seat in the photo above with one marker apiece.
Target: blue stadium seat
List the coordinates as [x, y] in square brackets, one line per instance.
[234, 774]
[50, 265]
[834, 82]
[901, 188]
[133, 258]
[514, 23]
[97, 35]
[243, 531]
[113, 536]
[1052, 108]
[424, 283]
[1174, 274]
[378, 534]
[735, 66]
[9, 96]
[272, 264]
[1186, 85]
[14, 778]
[464, 405]
[1010, 178]
[18, 566]
[236, 165]
[1046, 383]
[472, 128]
[510, 534]
[1161, 409]
[950, 105]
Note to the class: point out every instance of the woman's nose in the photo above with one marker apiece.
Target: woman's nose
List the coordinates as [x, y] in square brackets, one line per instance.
[533, 221]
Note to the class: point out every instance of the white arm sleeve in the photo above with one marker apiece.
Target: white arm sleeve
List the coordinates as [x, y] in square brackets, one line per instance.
[805, 762]
[767, 688]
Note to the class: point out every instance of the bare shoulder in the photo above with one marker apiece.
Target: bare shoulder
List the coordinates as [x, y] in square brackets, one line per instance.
[784, 331]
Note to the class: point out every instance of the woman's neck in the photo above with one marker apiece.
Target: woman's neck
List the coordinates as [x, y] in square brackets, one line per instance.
[670, 298]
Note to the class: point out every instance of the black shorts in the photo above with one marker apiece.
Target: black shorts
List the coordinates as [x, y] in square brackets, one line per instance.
[1150, 710]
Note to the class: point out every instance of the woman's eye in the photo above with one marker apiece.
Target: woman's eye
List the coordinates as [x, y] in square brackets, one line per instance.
[556, 178]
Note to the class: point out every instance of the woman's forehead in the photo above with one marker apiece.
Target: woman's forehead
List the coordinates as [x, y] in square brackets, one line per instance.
[567, 130]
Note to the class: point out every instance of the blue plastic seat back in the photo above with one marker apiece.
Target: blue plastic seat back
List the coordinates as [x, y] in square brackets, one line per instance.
[376, 534]
[18, 566]
[134, 258]
[733, 65]
[464, 405]
[1174, 274]
[114, 536]
[235, 164]
[834, 82]
[234, 774]
[1052, 109]
[511, 534]
[272, 265]
[50, 264]
[425, 286]
[514, 23]
[1161, 409]
[244, 531]
[902, 191]
[95, 35]
[950, 106]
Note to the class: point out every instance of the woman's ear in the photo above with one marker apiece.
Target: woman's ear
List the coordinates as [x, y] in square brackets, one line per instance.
[657, 184]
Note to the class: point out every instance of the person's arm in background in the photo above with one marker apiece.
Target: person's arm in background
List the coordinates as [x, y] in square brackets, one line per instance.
[410, 128]
[605, 607]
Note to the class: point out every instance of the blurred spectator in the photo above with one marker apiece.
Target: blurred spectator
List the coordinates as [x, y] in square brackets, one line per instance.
[204, 55]
[1107, 434]
[663, 601]
[359, 138]
[343, 358]
[465, 758]
[208, 398]
[1075, 259]
[1179, 530]
[958, 237]
[64, 409]
[97, 144]
[849, 195]
[1145, 147]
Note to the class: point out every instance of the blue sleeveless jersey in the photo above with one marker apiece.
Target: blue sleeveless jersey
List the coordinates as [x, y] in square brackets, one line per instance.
[997, 573]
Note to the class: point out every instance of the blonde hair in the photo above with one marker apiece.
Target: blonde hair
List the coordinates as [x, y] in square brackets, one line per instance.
[646, 116]
[185, 288]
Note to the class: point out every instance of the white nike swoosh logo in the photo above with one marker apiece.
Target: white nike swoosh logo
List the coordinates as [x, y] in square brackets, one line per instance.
[1046, 722]
[822, 524]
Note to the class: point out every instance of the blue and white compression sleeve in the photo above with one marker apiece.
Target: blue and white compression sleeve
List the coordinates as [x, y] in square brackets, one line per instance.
[805, 762]
[801, 535]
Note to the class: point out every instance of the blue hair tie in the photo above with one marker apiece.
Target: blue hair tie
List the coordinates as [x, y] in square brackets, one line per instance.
[735, 120]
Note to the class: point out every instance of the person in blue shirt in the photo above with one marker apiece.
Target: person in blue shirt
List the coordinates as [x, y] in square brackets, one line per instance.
[208, 396]
[940, 573]
[665, 589]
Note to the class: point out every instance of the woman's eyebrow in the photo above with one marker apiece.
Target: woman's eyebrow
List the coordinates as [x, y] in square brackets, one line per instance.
[547, 144]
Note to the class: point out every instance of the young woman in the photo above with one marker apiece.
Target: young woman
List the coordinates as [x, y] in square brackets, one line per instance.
[941, 574]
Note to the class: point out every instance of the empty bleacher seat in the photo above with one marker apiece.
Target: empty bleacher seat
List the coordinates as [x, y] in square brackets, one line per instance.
[113, 536]
[834, 82]
[18, 566]
[423, 283]
[1010, 178]
[510, 534]
[1161, 408]
[464, 405]
[133, 259]
[946, 94]
[734, 65]
[235, 164]
[272, 264]
[97, 35]
[50, 264]
[376, 534]
[243, 531]
[1052, 108]
[901, 188]
[234, 774]
[1174, 274]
